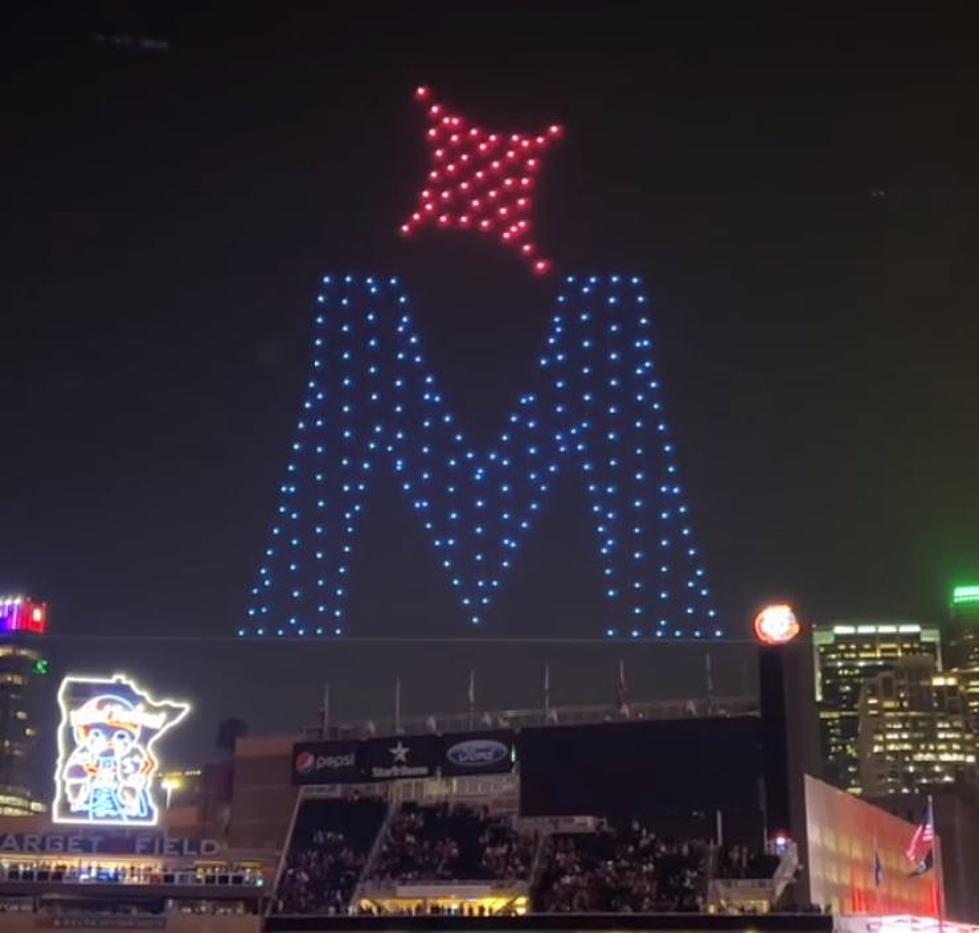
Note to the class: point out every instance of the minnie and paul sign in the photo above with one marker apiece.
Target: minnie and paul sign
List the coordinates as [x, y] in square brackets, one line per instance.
[401, 757]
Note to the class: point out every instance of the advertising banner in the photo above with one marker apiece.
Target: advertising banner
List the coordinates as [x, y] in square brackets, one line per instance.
[401, 756]
[326, 763]
[477, 753]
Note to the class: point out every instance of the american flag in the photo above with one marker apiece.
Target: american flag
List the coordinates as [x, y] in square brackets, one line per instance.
[922, 842]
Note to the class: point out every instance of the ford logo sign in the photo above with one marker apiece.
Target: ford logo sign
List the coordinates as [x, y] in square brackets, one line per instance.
[476, 753]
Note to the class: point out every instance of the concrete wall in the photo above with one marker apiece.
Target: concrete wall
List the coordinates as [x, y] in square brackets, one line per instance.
[17, 922]
[263, 796]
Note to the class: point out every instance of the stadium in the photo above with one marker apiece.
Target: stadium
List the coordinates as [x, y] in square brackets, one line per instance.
[685, 815]
[697, 814]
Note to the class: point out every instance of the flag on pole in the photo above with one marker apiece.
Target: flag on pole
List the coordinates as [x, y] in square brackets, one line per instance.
[921, 849]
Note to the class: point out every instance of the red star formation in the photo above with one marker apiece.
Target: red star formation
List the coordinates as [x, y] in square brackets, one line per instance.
[481, 181]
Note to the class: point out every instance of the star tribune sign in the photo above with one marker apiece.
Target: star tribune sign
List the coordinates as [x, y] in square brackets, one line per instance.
[106, 758]
[412, 758]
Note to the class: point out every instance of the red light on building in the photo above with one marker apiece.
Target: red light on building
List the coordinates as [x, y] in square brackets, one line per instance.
[22, 614]
[776, 625]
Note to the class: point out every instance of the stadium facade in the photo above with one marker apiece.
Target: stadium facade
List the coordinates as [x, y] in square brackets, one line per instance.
[685, 816]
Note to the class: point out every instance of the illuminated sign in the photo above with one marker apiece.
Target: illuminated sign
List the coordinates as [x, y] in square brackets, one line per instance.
[106, 762]
[118, 843]
[776, 625]
[22, 614]
[964, 595]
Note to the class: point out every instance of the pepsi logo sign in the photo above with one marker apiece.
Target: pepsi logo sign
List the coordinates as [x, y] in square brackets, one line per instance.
[477, 753]
[305, 762]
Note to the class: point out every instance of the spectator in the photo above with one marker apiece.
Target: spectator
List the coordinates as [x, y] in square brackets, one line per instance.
[328, 850]
[448, 842]
[627, 869]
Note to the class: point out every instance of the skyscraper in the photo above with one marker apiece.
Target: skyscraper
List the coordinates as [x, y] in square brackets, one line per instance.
[846, 654]
[23, 669]
[962, 646]
[913, 730]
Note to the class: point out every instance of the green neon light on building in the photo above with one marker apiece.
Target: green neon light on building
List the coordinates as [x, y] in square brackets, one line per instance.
[963, 595]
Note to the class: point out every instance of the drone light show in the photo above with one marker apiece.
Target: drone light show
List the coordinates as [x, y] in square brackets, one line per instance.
[594, 409]
[481, 181]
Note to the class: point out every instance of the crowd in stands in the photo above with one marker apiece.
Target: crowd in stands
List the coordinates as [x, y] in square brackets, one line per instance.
[740, 861]
[453, 842]
[619, 869]
[329, 847]
[625, 867]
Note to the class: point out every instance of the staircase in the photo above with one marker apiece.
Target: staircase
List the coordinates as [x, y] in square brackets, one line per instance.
[750, 893]
[543, 841]
[372, 856]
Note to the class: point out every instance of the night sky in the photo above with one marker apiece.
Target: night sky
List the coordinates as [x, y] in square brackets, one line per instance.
[799, 193]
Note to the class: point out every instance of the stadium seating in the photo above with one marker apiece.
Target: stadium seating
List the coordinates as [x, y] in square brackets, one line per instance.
[624, 868]
[446, 842]
[328, 849]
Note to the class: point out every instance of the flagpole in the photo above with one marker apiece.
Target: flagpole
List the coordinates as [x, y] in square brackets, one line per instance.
[472, 699]
[397, 705]
[939, 866]
[878, 876]
[325, 726]
[622, 693]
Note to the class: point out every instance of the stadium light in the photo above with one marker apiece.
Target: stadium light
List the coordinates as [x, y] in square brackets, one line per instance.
[776, 624]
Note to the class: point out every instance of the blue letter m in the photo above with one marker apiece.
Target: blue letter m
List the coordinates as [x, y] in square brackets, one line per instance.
[372, 404]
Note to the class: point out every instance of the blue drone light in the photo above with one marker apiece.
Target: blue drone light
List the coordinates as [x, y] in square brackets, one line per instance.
[371, 403]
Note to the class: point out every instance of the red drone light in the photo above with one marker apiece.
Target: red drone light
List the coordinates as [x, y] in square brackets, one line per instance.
[466, 165]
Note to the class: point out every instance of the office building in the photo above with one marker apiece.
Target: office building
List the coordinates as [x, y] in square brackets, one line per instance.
[23, 694]
[962, 646]
[844, 655]
[913, 730]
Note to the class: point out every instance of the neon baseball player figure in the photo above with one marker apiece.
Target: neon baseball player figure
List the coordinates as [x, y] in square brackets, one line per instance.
[106, 763]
